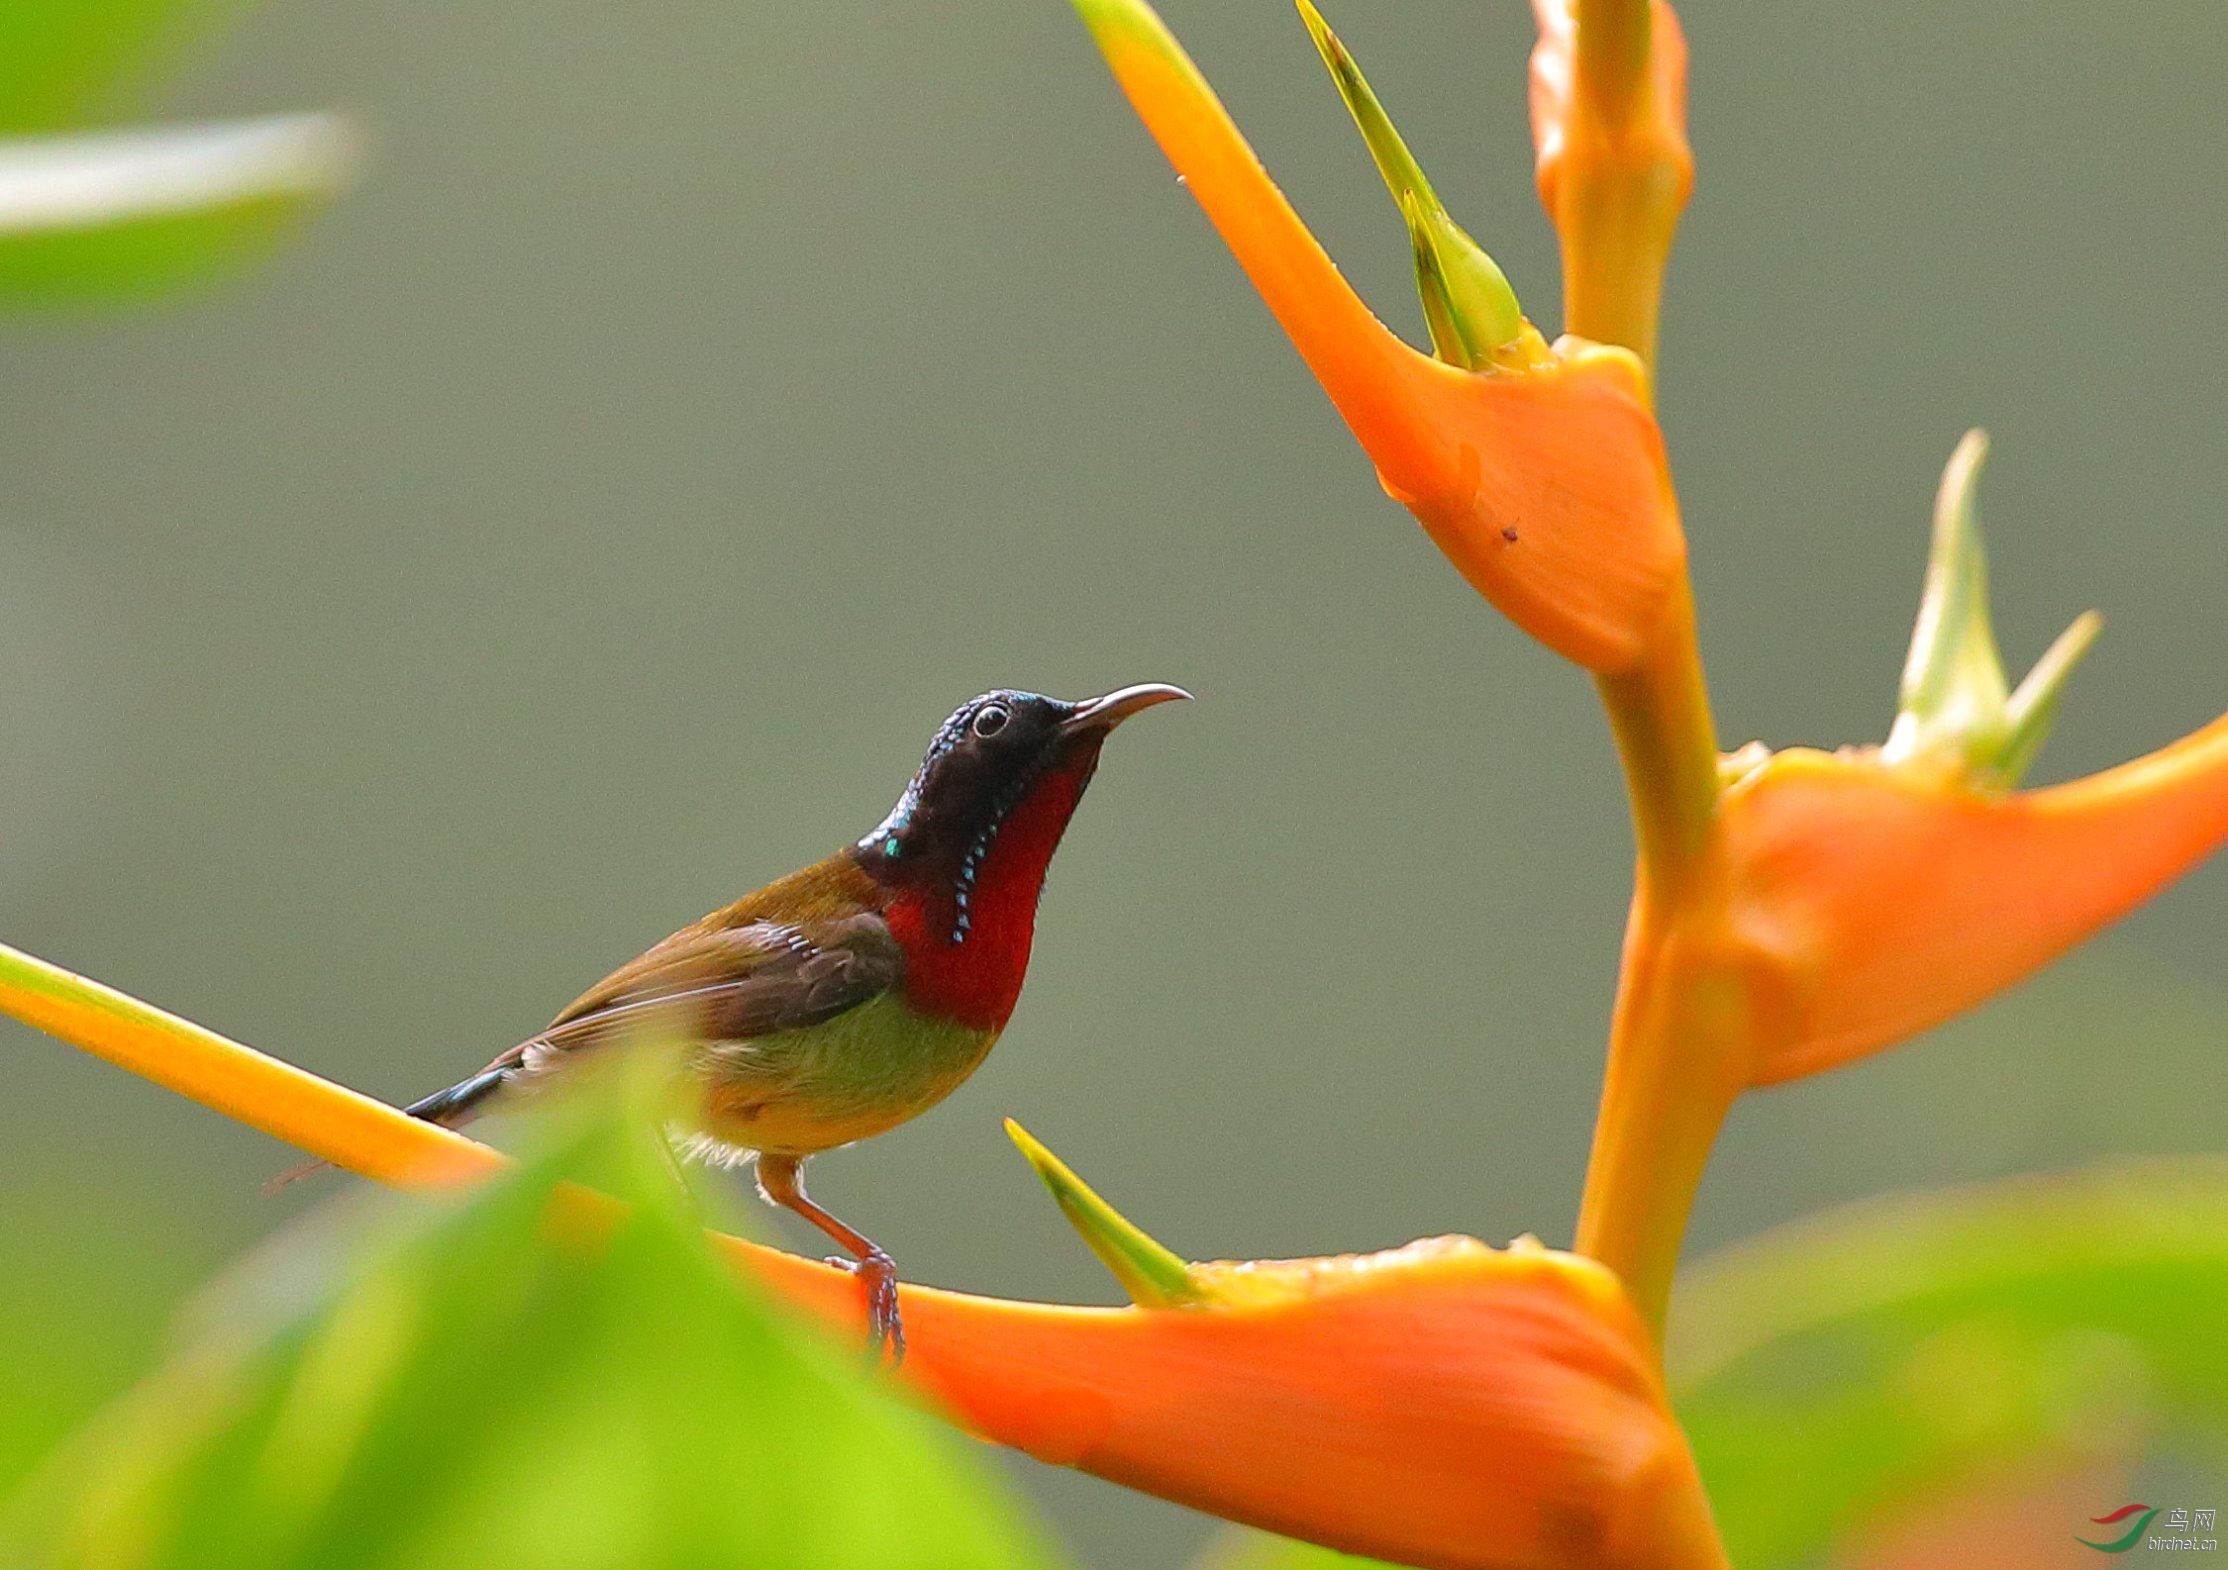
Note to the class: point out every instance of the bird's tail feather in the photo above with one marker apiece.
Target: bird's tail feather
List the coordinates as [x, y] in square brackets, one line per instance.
[458, 1103]
[449, 1108]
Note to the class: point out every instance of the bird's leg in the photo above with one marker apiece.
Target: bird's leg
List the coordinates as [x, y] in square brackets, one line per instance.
[781, 1182]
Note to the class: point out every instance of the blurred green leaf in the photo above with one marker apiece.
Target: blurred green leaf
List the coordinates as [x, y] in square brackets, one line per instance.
[67, 62]
[499, 1386]
[1844, 1367]
[135, 212]
[86, 1283]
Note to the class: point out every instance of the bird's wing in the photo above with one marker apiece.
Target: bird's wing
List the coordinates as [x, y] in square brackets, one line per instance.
[736, 983]
[714, 982]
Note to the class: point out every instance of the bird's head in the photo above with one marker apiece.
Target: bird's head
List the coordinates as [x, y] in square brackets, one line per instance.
[963, 854]
[996, 789]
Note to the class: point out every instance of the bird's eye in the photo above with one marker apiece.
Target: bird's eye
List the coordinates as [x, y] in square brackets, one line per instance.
[991, 718]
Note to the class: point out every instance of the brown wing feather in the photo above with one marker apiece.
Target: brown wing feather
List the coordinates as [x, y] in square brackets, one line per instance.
[797, 952]
[830, 892]
[732, 984]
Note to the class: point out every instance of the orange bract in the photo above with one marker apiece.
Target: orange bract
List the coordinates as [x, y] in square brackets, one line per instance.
[1546, 485]
[1445, 1404]
[1894, 898]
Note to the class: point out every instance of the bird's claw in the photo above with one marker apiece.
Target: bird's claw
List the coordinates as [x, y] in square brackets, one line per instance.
[885, 1327]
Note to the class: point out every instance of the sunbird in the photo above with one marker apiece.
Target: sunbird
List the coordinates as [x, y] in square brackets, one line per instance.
[854, 994]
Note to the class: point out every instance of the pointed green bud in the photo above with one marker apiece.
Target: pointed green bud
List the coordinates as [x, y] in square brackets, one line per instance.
[1467, 302]
[1448, 340]
[1955, 708]
[2033, 708]
[1953, 694]
[1151, 1275]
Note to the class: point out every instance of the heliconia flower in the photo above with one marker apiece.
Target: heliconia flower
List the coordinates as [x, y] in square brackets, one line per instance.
[1895, 899]
[1445, 1404]
[1894, 887]
[1613, 163]
[1541, 475]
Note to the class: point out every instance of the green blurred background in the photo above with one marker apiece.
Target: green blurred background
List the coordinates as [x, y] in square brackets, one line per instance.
[593, 517]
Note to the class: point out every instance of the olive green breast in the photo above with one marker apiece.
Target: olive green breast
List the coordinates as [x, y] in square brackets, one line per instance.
[849, 1078]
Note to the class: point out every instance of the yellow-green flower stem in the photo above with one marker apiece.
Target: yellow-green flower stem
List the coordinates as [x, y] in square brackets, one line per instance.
[1680, 1048]
[1613, 40]
[1603, 277]
[1659, 713]
[1617, 211]
[1680, 1041]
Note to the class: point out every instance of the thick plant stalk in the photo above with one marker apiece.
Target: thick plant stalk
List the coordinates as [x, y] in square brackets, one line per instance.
[1608, 101]
[1614, 168]
[1679, 1048]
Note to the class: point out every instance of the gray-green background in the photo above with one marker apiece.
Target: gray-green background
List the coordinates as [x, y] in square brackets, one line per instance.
[594, 516]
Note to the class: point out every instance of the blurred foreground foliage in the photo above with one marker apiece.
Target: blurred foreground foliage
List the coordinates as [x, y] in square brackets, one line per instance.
[66, 63]
[513, 1379]
[126, 215]
[85, 1289]
[1877, 1359]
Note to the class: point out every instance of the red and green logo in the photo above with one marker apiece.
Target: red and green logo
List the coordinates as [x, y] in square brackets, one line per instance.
[2120, 1545]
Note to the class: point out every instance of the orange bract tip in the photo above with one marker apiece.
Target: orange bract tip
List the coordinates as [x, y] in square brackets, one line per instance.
[1546, 484]
[1893, 898]
[1444, 1404]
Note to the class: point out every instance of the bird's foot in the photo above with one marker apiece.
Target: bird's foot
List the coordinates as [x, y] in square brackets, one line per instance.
[885, 1327]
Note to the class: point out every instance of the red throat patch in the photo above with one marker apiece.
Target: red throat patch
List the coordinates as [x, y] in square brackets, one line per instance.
[978, 980]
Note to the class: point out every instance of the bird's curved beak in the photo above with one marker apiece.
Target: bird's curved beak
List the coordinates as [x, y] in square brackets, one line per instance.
[1103, 714]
